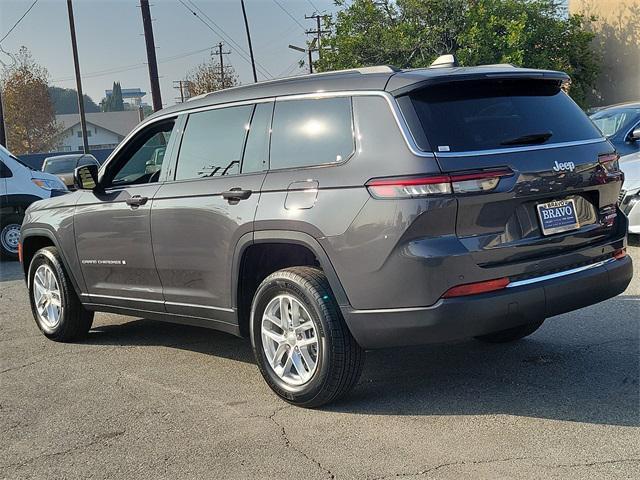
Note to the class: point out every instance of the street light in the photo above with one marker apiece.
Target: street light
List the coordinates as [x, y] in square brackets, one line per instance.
[307, 50]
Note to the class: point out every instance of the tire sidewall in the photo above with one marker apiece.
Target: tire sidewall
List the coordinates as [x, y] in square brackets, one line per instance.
[47, 257]
[265, 293]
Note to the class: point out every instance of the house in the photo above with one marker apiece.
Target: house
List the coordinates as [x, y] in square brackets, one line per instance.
[132, 96]
[104, 129]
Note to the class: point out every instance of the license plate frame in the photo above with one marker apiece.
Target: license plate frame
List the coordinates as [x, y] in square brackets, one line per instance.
[559, 220]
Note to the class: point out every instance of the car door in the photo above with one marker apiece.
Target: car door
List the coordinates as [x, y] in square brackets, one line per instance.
[199, 216]
[112, 224]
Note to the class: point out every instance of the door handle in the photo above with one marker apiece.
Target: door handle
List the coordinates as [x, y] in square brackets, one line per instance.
[136, 201]
[236, 194]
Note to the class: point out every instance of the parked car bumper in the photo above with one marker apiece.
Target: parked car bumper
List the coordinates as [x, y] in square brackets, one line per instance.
[630, 205]
[456, 318]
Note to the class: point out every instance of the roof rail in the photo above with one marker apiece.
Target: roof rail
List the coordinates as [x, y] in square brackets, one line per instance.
[444, 61]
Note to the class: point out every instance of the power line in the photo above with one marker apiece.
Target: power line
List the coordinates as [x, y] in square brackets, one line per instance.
[133, 66]
[19, 20]
[211, 25]
[288, 13]
[313, 6]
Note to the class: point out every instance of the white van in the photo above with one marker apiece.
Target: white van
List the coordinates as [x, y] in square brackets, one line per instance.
[20, 186]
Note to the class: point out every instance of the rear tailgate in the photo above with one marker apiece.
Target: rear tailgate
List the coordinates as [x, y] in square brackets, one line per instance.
[554, 152]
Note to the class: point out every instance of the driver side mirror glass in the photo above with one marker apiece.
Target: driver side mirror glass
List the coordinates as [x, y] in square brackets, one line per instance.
[86, 177]
[635, 135]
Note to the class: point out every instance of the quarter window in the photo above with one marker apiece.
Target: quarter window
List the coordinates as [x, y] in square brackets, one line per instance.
[311, 132]
[212, 142]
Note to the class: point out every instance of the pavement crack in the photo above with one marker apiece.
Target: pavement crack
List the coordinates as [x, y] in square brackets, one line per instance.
[289, 444]
[593, 464]
[452, 464]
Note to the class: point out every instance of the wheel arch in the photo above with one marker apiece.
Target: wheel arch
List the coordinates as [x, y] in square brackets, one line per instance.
[32, 240]
[299, 243]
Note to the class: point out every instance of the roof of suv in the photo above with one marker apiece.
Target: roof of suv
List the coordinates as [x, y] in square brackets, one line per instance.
[382, 78]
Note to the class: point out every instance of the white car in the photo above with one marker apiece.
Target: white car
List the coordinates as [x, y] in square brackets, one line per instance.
[20, 186]
[630, 193]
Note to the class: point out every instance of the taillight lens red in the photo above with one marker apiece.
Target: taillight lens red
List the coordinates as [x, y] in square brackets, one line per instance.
[609, 162]
[476, 288]
[415, 187]
[620, 253]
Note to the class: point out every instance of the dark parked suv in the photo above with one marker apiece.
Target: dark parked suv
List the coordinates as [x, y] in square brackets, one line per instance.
[328, 214]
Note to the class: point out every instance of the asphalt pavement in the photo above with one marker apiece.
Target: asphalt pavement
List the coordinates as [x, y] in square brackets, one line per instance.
[143, 399]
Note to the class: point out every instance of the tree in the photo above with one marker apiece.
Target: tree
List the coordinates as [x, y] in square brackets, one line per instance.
[114, 102]
[65, 100]
[412, 33]
[206, 77]
[29, 116]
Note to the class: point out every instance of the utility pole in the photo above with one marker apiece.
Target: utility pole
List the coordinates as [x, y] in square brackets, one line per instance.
[246, 26]
[183, 87]
[305, 50]
[151, 55]
[221, 60]
[76, 64]
[318, 32]
[3, 135]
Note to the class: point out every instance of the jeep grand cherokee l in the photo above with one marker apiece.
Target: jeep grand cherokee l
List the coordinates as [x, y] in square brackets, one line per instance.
[329, 214]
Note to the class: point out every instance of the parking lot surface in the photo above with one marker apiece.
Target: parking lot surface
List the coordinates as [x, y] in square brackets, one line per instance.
[143, 399]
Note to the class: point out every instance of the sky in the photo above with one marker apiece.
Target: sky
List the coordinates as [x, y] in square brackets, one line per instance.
[111, 44]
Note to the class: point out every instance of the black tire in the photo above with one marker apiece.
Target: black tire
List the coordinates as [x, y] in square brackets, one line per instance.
[75, 321]
[511, 334]
[9, 227]
[339, 357]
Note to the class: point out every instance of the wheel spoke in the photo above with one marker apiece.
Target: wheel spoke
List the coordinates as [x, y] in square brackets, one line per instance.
[298, 364]
[303, 327]
[307, 342]
[308, 359]
[276, 337]
[277, 357]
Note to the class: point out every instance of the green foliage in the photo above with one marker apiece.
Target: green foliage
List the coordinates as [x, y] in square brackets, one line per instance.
[65, 100]
[412, 33]
[114, 102]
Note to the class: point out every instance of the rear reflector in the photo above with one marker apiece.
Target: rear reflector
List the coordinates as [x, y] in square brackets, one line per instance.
[415, 187]
[476, 288]
[20, 251]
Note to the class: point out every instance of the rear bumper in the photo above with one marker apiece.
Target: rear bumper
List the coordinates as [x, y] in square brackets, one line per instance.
[456, 318]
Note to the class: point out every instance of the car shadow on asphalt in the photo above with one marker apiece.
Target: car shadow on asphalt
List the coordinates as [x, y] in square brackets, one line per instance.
[551, 375]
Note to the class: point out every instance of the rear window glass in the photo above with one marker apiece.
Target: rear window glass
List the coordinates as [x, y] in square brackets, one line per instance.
[60, 166]
[484, 115]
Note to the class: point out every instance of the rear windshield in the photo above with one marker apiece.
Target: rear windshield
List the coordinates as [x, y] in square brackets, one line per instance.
[483, 115]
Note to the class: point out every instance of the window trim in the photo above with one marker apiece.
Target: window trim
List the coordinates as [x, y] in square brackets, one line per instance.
[315, 165]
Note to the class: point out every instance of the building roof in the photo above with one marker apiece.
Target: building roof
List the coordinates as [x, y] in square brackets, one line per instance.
[383, 78]
[120, 123]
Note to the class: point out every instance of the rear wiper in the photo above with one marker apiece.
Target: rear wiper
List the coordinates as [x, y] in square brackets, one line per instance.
[530, 139]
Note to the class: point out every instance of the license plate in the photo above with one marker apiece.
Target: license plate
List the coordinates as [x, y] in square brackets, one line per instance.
[558, 216]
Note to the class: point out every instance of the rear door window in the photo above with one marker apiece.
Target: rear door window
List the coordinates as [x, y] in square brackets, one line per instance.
[486, 115]
[311, 132]
[256, 152]
[212, 142]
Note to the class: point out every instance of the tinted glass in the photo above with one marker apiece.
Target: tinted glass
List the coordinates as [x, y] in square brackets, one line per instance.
[256, 152]
[145, 155]
[60, 166]
[5, 172]
[212, 142]
[485, 115]
[311, 132]
[610, 122]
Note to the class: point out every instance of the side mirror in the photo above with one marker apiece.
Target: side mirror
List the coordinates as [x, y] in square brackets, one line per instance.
[86, 177]
[635, 135]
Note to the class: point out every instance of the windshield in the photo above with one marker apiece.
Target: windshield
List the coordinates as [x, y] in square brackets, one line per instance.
[610, 122]
[4, 153]
[60, 166]
[495, 114]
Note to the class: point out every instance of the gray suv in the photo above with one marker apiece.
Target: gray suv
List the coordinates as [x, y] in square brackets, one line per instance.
[324, 215]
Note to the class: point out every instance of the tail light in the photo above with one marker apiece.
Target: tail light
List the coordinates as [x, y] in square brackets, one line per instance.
[476, 288]
[620, 253]
[415, 187]
[20, 251]
[609, 162]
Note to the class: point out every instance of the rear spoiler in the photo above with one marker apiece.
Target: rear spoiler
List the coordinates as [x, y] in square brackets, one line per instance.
[418, 79]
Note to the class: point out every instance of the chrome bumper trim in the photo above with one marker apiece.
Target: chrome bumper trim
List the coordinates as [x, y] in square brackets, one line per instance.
[543, 278]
